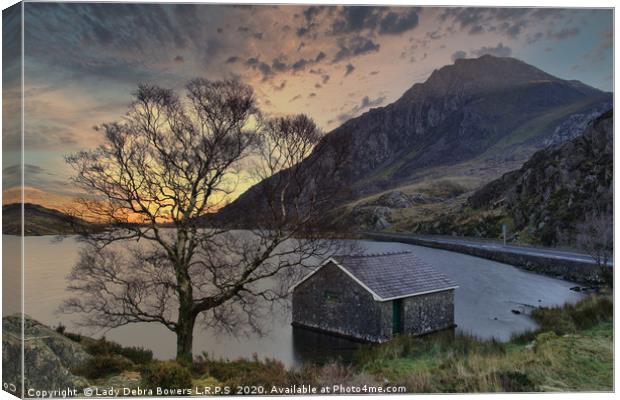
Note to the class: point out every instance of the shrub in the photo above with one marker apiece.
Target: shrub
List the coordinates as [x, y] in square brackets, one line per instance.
[137, 355]
[573, 317]
[103, 365]
[73, 336]
[166, 374]
[514, 381]
[543, 338]
[244, 372]
[61, 328]
[414, 347]
[101, 347]
[524, 337]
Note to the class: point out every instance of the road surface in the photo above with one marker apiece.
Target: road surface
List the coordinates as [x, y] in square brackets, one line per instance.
[548, 253]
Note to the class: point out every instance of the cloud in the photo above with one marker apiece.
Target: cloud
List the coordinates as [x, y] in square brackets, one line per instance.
[434, 35]
[279, 64]
[35, 175]
[510, 22]
[364, 104]
[394, 23]
[382, 20]
[458, 55]
[252, 61]
[299, 64]
[349, 69]
[355, 46]
[28, 169]
[256, 64]
[603, 49]
[367, 102]
[499, 51]
[533, 38]
[310, 15]
[355, 19]
[281, 86]
[562, 34]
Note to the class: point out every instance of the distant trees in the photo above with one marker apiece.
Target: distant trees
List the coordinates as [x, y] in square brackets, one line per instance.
[161, 171]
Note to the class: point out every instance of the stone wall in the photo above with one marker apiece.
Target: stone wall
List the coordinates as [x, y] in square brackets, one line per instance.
[428, 313]
[576, 271]
[333, 302]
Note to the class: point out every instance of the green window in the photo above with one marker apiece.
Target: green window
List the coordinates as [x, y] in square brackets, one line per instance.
[332, 297]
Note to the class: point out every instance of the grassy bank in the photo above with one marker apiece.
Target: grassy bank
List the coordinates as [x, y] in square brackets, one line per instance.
[571, 351]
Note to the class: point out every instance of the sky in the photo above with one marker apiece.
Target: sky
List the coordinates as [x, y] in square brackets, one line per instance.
[83, 61]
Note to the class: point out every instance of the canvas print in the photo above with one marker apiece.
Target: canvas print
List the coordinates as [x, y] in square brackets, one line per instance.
[205, 199]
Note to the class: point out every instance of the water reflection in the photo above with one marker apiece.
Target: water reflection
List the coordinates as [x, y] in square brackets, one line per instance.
[319, 348]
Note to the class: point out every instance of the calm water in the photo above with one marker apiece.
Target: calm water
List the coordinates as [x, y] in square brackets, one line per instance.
[488, 292]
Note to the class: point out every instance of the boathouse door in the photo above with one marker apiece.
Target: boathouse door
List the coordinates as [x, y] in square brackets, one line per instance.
[397, 319]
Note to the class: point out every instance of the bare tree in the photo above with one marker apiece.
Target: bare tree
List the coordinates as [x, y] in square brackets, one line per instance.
[596, 235]
[160, 174]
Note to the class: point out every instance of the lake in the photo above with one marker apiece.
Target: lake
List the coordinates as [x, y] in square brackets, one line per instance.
[488, 292]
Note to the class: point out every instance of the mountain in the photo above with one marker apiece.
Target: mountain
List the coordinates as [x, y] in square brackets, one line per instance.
[470, 121]
[546, 200]
[38, 221]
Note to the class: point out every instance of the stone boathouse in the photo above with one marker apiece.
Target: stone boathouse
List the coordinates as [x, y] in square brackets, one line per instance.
[374, 297]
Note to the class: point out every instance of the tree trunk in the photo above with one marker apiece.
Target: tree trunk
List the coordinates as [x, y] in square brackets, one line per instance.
[187, 317]
[185, 338]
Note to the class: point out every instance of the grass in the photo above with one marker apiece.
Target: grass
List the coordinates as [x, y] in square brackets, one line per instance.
[445, 193]
[543, 123]
[575, 362]
[572, 351]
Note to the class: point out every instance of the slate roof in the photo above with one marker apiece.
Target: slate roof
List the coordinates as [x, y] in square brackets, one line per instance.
[394, 275]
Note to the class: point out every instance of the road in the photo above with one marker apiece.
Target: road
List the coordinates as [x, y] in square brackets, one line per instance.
[549, 253]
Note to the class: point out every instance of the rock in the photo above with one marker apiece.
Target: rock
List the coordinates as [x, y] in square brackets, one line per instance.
[49, 356]
[381, 217]
[376, 218]
[395, 199]
[575, 124]
[126, 379]
[419, 198]
[553, 194]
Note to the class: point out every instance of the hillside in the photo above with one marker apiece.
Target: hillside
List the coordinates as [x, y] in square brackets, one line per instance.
[467, 124]
[547, 199]
[38, 221]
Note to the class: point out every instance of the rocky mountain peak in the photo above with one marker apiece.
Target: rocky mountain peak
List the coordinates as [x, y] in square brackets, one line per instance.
[484, 74]
[492, 111]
